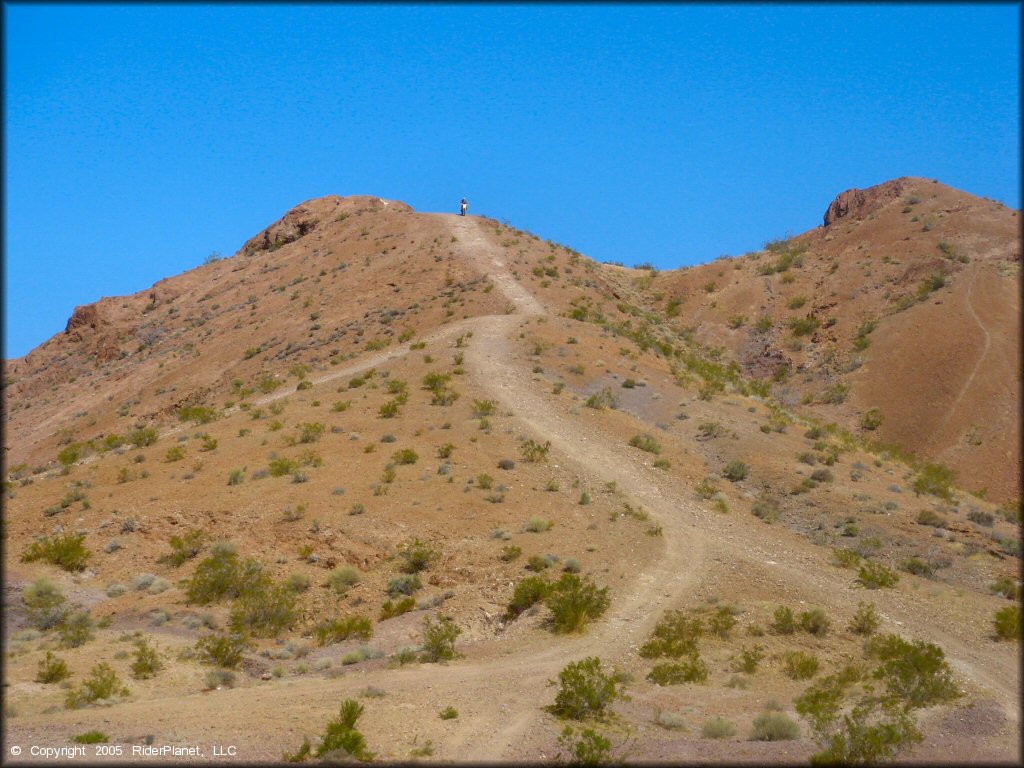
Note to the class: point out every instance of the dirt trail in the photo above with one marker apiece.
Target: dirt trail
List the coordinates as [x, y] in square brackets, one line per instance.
[981, 358]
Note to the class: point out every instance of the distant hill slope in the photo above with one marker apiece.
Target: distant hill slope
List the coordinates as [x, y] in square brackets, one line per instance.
[903, 306]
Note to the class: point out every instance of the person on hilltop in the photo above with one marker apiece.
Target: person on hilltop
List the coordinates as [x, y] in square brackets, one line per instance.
[463, 207]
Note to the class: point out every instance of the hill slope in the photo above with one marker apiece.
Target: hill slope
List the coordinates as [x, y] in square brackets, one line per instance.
[458, 408]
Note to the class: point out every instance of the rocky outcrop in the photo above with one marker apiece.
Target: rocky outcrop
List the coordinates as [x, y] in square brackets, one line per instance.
[858, 203]
[82, 321]
[758, 358]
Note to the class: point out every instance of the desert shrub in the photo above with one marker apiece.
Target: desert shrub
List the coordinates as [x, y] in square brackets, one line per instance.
[865, 621]
[574, 602]
[297, 582]
[484, 482]
[341, 739]
[390, 609]
[311, 432]
[405, 456]
[936, 480]
[220, 575]
[175, 453]
[537, 525]
[219, 678]
[482, 408]
[236, 477]
[222, 649]
[527, 593]
[102, 683]
[146, 662]
[445, 451]
[915, 672]
[783, 623]
[45, 605]
[1006, 587]
[439, 639]
[141, 438]
[76, 629]
[449, 713]
[584, 689]
[588, 748]
[675, 636]
[341, 579]
[92, 737]
[534, 452]
[872, 419]
[536, 563]
[800, 665]
[416, 556]
[52, 669]
[822, 476]
[718, 728]
[197, 414]
[916, 567]
[722, 622]
[749, 659]
[67, 551]
[845, 558]
[736, 471]
[815, 621]
[404, 585]
[646, 443]
[687, 669]
[804, 326]
[874, 575]
[605, 398]
[671, 721]
[1007, 623]
[506, 464]
[184, 547]
[766, 509]
[282, 466]
[263, 608]
[341, 629]
[932, 518]
[774, 726]
[510, 552]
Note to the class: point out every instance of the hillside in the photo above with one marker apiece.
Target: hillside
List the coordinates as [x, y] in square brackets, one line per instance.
[396, 417]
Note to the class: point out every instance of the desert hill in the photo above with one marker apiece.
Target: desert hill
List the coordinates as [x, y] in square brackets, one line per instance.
[283, 471]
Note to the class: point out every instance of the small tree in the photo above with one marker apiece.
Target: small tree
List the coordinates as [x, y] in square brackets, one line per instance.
[584, 690]
[439, 639]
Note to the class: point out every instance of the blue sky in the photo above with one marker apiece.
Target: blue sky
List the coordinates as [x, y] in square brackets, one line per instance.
[140, 139]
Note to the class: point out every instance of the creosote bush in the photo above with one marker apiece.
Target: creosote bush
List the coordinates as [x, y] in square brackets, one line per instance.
[1007, 623]
[774, 726]
[875, 575]
[340, 629]
[222, 649]
[102, 684]
[575, 602]
[67, 551]
[439, 639]
[646, 442]
[52, 669]
[584, 690]
[45, 605]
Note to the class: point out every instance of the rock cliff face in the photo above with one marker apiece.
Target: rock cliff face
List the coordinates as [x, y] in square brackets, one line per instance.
[858, 203]
[84, 318]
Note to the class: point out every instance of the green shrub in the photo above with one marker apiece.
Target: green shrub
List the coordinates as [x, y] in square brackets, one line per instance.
[404, 585]
[749, 659]
[800, 665]
[342, 579]
[875, 575]
[52, 669]
[935, 479]
[865, 621]
[341, 739]
[675, 636]
[66, 551]
[718, 728]
[416, 556]
[574, 602]
[528, 592]
[282, 466]
[646, 442]
[536, 563]
[391, 609]
[784, 623]
[72, 453]
[916, 567]
[198, 414]
[534, 452]
[1006, 587]
[872, 419]
[1007, 623]
[605, 398]
[483, 408]
[146, 662]
[263, 608]
[184, 547]
[311, 432]
[77, 629]
[141, 438]
[102, 683]
[341, 629]
[722, 622]
[671, 721]
[815, 622]
[915, 672]
[736, 471]
[45, 606]
[221, 575]
[589, 748]
[845, 558]
[222, 649]
[932, 518]
[510, 552]
[688, 669]
[774, 726]
[405, 456]
[449, 713]
[92, 737]
[584, 689]
[439, 639]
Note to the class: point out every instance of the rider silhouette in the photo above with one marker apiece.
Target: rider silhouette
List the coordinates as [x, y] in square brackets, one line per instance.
[463, 207]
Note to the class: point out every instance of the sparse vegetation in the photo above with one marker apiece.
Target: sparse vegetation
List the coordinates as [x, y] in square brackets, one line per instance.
[584, 690]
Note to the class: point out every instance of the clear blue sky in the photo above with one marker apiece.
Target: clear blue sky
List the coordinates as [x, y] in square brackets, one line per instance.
[140, 139]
